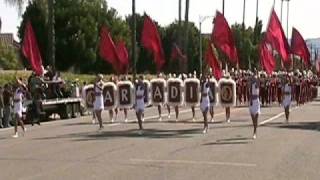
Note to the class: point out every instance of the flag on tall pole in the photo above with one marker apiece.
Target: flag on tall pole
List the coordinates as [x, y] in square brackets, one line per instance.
[123, 57]
[299, 47]
[176, 53]
[267, 60]
[108, 49]
[151, 40]
[213, 62]
[276, 38]
[222, 38]
[30, 49]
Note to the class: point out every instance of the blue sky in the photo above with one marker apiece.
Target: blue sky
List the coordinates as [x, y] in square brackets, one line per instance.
[304, 16]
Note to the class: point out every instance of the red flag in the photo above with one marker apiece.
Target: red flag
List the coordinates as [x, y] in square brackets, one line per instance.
[266, 58]
[176, 53]
[150, 39]
[276, 37]
[213, 62]
[223, 38]
[299, 47]
[108, 50]
[123, 56]
[30, 49]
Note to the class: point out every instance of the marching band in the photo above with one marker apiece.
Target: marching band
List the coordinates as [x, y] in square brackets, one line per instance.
[235, 88]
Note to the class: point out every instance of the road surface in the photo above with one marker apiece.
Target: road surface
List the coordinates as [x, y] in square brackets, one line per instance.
[169, 150]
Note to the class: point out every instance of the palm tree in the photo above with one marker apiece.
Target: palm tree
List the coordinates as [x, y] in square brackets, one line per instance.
[49, 6]
[186, 27]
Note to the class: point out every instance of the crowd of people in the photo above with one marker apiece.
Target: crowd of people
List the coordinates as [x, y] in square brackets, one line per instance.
[253, 89]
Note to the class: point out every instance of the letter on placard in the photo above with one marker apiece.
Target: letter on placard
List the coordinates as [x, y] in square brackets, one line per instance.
[174, 92]
[191, 92]
[157, 93]
[124, 95]
[108, 96]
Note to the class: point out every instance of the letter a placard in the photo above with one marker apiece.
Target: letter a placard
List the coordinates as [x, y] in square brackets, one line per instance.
[158, 87]
[109, 95]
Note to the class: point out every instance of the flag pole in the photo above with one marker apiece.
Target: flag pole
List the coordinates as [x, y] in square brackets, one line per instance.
[226, 64]
[134, 40]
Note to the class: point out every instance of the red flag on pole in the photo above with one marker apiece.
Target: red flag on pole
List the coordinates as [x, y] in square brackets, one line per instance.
[213, 62]
[266, 58]
[176, 53]
[123, 56]
[30, 49]
[276, 37]
[108, 50]
[223, 38]
[151, 40]
[299, 47]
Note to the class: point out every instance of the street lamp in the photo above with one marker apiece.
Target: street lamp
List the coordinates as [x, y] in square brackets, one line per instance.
[201, 20]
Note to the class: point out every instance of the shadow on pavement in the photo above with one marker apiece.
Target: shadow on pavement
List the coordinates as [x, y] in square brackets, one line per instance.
[133, 133]
[230, 141]
[312, 126]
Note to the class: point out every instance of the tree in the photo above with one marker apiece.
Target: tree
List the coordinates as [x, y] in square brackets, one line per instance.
[9, 58]
[77, 26]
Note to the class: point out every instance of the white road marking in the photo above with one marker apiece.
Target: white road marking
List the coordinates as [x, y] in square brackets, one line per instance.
[275, 117]
[186, 162]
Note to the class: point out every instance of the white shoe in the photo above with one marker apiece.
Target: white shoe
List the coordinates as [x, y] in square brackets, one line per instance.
[169, 116]
[193, 119]
[126, 120]
[140, 132]
[160, 119]
[100, 129]
[93, 121]
[228, 120]
[254, 136]
[15, 136]
[112, 120]
[212, 120]
[205, 130]
[142, 119]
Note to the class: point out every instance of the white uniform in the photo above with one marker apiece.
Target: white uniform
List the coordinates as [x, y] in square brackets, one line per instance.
[98, 103]
[205, 100]
[139, 99]
[287, 96]
[255, 106]
[18, 108]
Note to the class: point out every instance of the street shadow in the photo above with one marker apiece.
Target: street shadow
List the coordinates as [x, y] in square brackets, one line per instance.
[311, 126]
[230, 141]
[132, 133]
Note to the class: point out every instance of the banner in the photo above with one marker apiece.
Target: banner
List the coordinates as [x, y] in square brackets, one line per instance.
[147, 95]
[89, 95]
[126, 94]
[109, 95]
[192, 91]
[175, 95]
[213, 95]
[158, 87]
[227, 95]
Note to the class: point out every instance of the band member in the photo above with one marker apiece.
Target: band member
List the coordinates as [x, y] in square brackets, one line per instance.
[18, 108]
[193, 107]
[139, 106]
[113, 113]
[99, 102]
[205, 102]
[287, 97]
[254, 106]
[279, 90]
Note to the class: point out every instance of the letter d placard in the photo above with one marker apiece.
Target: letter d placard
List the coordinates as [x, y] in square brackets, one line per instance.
[191, 91]
[175, 95]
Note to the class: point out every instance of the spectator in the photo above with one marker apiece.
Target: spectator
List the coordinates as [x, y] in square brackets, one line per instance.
[1, 107]
[7, 96]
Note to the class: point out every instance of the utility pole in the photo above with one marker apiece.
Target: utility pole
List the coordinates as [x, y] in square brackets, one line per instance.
[51, 40]
[244, 14]
[281, 11]
[257, 12]
[134, 40]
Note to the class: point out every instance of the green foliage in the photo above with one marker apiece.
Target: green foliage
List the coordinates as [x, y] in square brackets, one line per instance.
[9, 58]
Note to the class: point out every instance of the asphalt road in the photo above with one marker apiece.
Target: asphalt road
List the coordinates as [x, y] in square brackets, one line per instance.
[73, 149]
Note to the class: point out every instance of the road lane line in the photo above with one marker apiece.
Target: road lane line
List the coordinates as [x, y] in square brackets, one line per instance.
[276, 117]
[210, 163]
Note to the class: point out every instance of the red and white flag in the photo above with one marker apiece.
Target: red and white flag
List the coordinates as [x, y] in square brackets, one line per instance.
[151, 40]
[267, 60]
[213, 62]
[299, 47]
[30, 49]
[222, 38]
